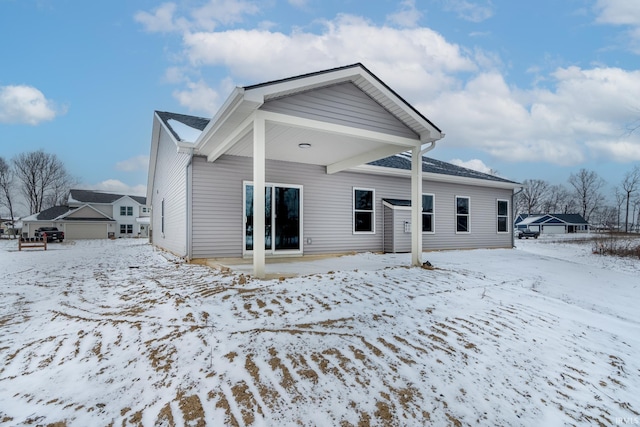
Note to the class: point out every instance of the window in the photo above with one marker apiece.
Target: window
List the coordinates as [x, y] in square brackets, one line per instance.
[126, 228]
[503, 216]
[145, 210]
[126, 210]
[363, 210]
[462, 214]
[427, 213]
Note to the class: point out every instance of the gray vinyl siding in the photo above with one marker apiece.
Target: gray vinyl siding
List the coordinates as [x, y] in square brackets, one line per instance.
[395, 237]
[343, 104]
[217, 215]
[483, 218]
[170, 184]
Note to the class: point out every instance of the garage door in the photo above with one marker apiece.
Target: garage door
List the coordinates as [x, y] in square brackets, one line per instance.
[553, 229]
[85, 231]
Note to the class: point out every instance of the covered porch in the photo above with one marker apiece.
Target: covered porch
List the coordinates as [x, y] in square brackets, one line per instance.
[338, 119]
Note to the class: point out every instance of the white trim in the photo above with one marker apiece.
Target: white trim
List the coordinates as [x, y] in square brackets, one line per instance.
[498, 216]
[433, 214]
[455, 212]
[273, 251]
[353, 210]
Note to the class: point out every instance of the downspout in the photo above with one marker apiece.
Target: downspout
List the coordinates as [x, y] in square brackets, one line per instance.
[429, 148]
[513, 216]
[189, 230]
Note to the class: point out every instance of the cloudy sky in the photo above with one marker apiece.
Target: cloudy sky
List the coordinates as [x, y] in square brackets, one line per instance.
[531, 89]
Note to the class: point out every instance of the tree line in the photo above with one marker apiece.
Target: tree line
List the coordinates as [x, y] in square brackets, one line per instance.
[34, 180]
[586, 195]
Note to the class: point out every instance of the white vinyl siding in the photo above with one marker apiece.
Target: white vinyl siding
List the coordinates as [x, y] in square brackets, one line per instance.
[169, 225]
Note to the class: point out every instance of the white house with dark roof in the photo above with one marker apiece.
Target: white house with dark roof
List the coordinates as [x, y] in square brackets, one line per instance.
[315, 164]
[552, 223]
[94, 215]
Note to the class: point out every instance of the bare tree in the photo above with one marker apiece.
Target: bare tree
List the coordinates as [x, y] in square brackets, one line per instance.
[620, 197]
[42, 178]
[558, 200]
[629, 186]
[6, 188]
[587, 186]
[533, 193]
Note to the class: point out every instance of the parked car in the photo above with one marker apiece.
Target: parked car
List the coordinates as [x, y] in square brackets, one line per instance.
[52, 233]
[528, 233]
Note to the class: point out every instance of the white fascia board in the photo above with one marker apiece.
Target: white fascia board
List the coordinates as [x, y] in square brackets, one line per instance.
[86, 205]
[240, 131]
[433, 133]
[259, 94]
[435, 177]
[230, 105]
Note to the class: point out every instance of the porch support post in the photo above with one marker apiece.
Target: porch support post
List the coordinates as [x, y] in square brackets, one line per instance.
[416, 207]
[258, 195]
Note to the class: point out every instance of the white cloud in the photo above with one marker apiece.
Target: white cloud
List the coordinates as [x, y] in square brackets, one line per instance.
[585, 115]
[409, 60]
[470, 11]
[473, 164]
[580, 113]
[207, 17]
[162, 19]
[618, 12]
[408, 16]
[25, 104]
[118, 187]
[622, 13]
[133, 164]
[198, 96]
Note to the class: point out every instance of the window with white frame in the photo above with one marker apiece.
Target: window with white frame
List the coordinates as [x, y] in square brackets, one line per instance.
[428, 201]
[462, 214]
[126, 210]
[126, 228]
[503, 216]
[145, 209]
[363, 210]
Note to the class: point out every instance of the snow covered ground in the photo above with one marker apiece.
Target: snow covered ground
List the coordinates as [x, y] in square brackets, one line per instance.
[114, 333]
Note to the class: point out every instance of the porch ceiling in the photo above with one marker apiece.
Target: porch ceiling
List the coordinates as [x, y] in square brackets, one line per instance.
[282, 143]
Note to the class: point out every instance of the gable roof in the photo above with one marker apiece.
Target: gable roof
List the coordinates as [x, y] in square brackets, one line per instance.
[357, 65]
[429, 165]
[89, 196]
[400, 161]
[193, 122]
[574, 219]
[52, 213]
[282, 126]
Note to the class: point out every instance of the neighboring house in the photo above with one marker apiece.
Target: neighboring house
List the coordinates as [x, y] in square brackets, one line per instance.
[330, 162]
[94, 215]
[552, 223]
[8, 228]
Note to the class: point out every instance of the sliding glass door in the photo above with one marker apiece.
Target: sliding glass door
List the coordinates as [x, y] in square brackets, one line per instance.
[282, 218]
